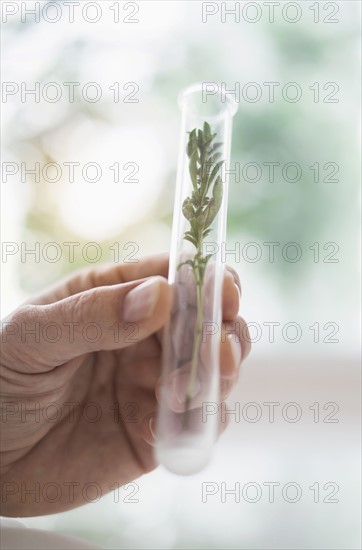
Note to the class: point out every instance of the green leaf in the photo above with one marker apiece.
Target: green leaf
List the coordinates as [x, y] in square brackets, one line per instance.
[191, 234]
[215, 146]
[216, 157]
[215, 203]
[193, 168]
[194, 225]
[207, 131]
[187, 209]
[190, 239]
[209, 166]
[200, 139]
[213, 173]
[217, 191]
[192, 143]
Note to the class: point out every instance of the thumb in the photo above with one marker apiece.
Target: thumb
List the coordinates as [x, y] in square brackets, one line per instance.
[102, 318]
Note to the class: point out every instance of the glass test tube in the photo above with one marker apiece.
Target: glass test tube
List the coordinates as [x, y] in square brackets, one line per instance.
[189, 392]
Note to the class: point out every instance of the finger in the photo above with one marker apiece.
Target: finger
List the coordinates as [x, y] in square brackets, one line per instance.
[234, 348]
[182, 325]
[235, 277]
[104, 275]
[187, 294]
[230, 351]
[195, 417]
[103, 318]
[230, 296]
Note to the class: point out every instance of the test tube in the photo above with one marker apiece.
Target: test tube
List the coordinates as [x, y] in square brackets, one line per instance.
[188, 394]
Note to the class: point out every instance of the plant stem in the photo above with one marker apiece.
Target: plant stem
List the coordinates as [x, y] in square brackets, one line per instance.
[197, 345]
[200, 209]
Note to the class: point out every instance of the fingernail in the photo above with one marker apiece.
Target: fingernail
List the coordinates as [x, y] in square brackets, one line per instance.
[180, 386]
[152, 427]
[141, 300]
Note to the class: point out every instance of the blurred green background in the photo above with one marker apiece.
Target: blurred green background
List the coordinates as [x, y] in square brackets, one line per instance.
[167, 49]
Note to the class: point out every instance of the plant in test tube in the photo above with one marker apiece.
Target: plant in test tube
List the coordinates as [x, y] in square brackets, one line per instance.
[200, 209]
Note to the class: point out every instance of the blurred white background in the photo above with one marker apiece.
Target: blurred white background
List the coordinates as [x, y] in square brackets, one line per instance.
[167, 47]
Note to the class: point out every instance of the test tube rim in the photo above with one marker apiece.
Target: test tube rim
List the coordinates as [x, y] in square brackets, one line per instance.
[231, 106]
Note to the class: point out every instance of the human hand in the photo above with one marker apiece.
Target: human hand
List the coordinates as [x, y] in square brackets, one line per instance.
[78, 392]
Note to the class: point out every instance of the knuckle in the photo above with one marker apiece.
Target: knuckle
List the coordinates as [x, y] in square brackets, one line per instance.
[24, 314]
[83, 307]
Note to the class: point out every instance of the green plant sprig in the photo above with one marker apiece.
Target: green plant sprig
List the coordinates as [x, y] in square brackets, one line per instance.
[200, 209]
